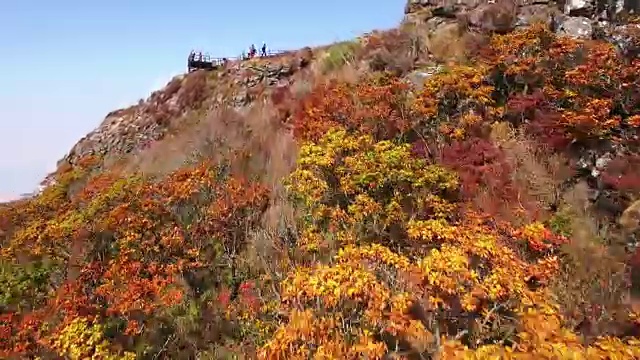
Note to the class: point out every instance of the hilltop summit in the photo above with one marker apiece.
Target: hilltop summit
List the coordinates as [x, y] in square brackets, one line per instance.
[464, 186]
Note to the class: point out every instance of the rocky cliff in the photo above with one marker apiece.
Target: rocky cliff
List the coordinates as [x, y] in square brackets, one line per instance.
[576, 18]
[236, 86]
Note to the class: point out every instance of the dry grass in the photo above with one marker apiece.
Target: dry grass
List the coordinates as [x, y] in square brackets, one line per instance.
[444, 42]
[219, 131]
[338, 55]
[348, 73]
[259, 140]
[591, 288]
[396, 50]
[538, 176]
[262, 146]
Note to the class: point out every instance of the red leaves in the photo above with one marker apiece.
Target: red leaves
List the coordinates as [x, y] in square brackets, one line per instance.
[545, 127]
[522, 106]
[224, 298]
[377, 105]
[623, 173]
[19, 334]
[480, 164]
[142, 280]
[247, 294]
[130, 240]
[565, 90]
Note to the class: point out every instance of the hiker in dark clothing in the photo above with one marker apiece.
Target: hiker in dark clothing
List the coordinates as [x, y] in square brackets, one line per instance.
[264, 49]
[252, 51]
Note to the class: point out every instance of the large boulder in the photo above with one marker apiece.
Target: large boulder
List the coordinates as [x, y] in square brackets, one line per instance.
[537, 12]
[441, 6]
[576, 27]
[419, 11]
[500, 16]
[450, 29]
[626, 38]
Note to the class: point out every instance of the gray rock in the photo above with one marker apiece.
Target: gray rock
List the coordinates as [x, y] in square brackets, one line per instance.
[576, 27]
[530, 14]
[602, 161]
[418, 77]
[496, 16]
[579, 7]
[622, 37]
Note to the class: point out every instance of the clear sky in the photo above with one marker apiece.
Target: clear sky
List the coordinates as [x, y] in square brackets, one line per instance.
[65, 64]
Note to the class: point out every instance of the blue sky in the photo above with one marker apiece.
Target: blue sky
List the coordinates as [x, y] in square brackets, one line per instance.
[66, 64]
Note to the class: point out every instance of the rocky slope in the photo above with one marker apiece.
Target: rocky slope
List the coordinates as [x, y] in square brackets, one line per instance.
[576, 18]
[465, 186]
[127, 131]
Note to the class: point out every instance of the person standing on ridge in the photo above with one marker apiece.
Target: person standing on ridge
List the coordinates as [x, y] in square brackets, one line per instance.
[264, 49]
[252, 51]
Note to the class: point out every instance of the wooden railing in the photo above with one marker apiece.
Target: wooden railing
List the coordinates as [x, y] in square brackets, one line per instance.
[207, 62]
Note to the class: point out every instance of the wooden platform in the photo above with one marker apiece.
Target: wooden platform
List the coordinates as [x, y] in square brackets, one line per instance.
[205, 62]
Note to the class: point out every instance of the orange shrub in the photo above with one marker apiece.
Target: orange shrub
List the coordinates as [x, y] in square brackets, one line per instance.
[379, 105]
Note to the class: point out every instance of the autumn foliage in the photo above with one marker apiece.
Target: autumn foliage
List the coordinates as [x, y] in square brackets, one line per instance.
[414, 234]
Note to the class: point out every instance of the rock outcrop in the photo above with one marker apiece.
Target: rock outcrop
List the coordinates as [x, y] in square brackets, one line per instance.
[446, 25]
[127, 131]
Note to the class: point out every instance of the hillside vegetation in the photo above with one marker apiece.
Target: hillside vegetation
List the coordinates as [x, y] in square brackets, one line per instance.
[381, 220]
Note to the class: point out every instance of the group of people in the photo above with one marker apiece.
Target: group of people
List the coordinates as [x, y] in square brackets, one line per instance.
[253, 52]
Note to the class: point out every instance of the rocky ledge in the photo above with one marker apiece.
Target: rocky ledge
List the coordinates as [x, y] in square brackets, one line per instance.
[127, 131]
[584, 19]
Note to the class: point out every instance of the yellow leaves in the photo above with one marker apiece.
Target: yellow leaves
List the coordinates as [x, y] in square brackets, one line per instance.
[364, 207]
[373, 253]
[370, 188]
[345, 307]
[331, 286]
[365, 189]
[448, 95]
[367, 347]
[470, 264]
[544, 269]
[544, 338]
[309, 336]
[615, 348]
[311, 241]
[430, 230]
[306, 182]
[633, 120]
[82, 339]
[317, 155]
[447, 269]
[592, 117]
[538, 237]
[390, 218]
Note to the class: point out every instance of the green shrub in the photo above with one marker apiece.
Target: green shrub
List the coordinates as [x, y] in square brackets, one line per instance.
[339, 55]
